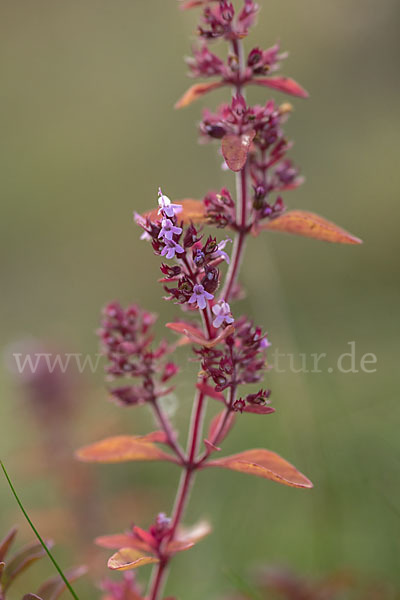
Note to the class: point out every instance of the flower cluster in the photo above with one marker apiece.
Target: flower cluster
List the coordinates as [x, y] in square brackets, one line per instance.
[195, 279]
[218, 20]
[271, 172]
[241, 359]
[220, 209]
[126, 340]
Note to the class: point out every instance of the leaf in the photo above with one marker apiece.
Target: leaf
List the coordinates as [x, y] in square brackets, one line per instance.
[21, 561]
[122, 448]
[307, 224]
[158, 437]
[258, 409]
[54, 587]
[266, 464]
[121, 540]
[6, 543]
[235, 149]
[215, 433]
[188, 537]
[210, 392]
[192, 211]
[282, 84]
[31, 597]
[196, 336]
[129, 558]
[196, 91]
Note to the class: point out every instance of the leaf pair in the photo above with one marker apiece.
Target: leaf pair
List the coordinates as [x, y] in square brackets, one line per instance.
[135, 552]
[258, 462]
[280, 84]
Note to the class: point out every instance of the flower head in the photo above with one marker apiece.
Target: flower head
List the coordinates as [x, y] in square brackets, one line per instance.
[200, 296]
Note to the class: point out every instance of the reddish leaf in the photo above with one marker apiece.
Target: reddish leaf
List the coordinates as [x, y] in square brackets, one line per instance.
[235, 149]
[210, 447]
[210, 392]
[258, 409]
[282, 84]
[129, 558]
[121, 540]
[300, 222]
[196, 336]
[192, 211]
[266, 464]
[54, 587]
[145, 536]
[196, 91]
[221, 420]
[190, 332]
[122, 448]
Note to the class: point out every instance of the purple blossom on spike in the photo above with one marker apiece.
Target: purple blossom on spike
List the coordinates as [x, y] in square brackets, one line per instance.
[168, 230]
[171, 248]
[200, 296]
[166, 206]
[222, 314]
[220, 251]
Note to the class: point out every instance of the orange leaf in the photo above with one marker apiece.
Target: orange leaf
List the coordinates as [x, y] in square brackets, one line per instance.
[188, 537]
[129, 558]
[196, 336]
[192, 210]
[266, 464]
[282, 84]
[122, 448]
[235, 149]
[196, 91]
[310, 225]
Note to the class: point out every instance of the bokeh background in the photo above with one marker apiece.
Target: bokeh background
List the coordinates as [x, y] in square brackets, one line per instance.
[88, 133]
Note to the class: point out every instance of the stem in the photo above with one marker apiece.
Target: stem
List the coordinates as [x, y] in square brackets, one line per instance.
[196, 425]
[169, 432]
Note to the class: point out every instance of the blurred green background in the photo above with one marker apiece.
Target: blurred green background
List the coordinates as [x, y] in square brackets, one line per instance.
[88, 133]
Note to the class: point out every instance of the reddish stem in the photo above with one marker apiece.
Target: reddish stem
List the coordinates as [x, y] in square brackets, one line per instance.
[196, 426]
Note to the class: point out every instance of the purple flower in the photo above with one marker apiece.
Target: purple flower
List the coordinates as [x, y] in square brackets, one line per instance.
[219, 252]
[171, 248]
[200, 296]
[168, 230]
[222, 314]
[166, 205]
